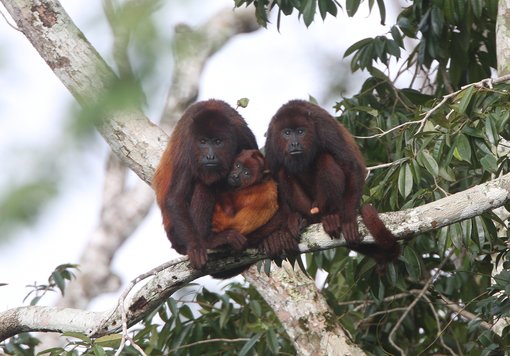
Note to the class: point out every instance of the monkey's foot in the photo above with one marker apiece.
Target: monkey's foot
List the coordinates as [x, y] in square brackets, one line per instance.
[351, 234]
[278, 242]
[295, 224]
[236, 240]
[332, 224]
[197, 257]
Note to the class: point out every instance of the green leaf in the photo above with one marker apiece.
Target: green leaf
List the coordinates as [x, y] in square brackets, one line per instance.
[489, 163]
[112, 340]
[477, 7]
[79, 336]
[465, 98]
[352, 7]
[436, 21]
[462, 148]
[327, 6]
[272, 341]
[249, 345]
[491, 130]
[309, 11]
[357, 46]
[426, 160]
[405, 180]
[412, 263]
[382, 11]
[186, 312]
[59, 281]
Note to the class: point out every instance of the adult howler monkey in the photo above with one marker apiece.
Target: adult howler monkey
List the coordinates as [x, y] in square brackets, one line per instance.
[320, 174]
[193, 170]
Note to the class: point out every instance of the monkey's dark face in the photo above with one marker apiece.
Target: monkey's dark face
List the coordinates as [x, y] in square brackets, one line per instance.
[296, 138]
[248, 169]
[214, 148]
[240, 176]
[210, 151]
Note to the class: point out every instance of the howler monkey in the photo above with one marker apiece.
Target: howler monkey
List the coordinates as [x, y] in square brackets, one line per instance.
[320, 174]
[252, 202]
[193, 170]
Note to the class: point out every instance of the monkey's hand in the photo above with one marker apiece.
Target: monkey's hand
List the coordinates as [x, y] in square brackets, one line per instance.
[236, 240]
[332, 224]
[197, 256]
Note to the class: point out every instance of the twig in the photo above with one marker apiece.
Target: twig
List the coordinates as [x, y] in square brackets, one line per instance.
[389, 164]
[123, 296]
[484, 83]
[458, 310]
[438, 323]
[415, 301]
[8, 22]
[206, 342]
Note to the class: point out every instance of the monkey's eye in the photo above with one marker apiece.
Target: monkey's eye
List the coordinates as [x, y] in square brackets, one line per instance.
[286, 132]
[217, 141]
[246, 172]
[237, 165]
[300, 131]
[202, 141]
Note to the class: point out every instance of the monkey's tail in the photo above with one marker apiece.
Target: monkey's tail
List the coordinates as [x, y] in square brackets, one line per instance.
[386, 243]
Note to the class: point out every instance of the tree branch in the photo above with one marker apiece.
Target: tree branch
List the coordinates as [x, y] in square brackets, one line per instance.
[321, 334]
[446, 211]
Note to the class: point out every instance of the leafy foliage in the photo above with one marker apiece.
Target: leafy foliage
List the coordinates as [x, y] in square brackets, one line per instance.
[440, 139]
[237, 322]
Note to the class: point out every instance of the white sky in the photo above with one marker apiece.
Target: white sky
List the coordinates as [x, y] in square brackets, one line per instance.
[268, 67]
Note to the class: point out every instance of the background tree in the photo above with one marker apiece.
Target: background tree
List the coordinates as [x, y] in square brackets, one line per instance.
[440, 131]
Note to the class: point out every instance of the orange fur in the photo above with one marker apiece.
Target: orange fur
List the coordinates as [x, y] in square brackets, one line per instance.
[252, 208]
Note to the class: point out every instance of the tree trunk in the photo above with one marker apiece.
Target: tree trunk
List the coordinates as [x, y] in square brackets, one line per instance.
[303, 311]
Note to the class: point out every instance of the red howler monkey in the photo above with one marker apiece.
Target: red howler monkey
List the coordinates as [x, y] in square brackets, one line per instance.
[246, 216]
[192, 173]
[320, 174]
[252, 202]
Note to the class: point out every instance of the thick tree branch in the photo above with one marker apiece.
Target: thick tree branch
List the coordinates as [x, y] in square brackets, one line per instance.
[446, 211]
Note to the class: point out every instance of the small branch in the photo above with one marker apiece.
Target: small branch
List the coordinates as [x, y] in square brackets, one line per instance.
[208, 341]
[484, 83]
[463, 312]
[414, 302]
[8, 22]
[438, 325]
[385, 165]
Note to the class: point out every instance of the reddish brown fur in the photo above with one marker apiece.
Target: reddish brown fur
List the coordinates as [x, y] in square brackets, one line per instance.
[251, 204]
[186, 189]
[320, 173]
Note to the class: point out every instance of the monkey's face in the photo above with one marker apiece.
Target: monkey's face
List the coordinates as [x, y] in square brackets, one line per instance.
[214, 148]
[296, 142]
